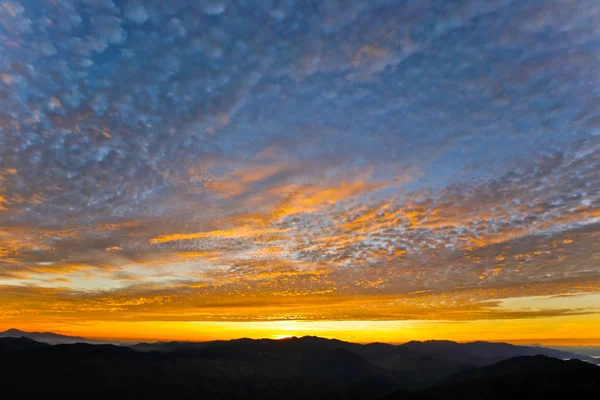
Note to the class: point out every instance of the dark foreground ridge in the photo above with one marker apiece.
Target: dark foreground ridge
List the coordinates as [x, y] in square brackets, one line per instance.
[295, 368]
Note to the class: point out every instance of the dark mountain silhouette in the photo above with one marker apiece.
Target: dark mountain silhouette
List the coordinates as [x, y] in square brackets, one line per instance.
[19, 343]
[403, 366]
[486, 353]
[471, 353]
[286, 370]
[415, 364]
[295, 368]
[528, 377]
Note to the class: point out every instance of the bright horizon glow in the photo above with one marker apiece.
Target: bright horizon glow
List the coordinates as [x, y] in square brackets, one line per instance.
[573, 331]
[369, 170]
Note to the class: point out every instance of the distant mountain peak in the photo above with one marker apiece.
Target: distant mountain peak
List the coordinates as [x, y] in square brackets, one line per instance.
[13, 331]
[47, 337]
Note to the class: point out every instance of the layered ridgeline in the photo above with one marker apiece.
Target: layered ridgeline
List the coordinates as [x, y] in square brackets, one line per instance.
[295, 368]
[49, 337]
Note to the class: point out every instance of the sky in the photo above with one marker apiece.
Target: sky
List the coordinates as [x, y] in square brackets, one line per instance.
[383, 170]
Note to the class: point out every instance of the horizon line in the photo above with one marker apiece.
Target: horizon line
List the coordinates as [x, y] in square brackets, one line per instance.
[576, 342]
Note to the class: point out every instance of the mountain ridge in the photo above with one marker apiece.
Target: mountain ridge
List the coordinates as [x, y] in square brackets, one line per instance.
[295, 368]
[455, 351]
[523, 377]
[49, 337]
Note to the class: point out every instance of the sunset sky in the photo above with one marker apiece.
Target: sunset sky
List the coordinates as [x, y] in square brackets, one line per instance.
[382, 170]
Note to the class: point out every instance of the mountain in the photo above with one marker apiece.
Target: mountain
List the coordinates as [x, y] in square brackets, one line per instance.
[486, 353]
[8, 344]
[405, 367]
[525, 377]
[431, 354]
[414, 365]
[47, 337]
[266, 370]
[295, 368]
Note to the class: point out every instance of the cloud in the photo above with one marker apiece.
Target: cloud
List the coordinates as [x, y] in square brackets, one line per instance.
[249, 153]
[135, 12]
[151, 302]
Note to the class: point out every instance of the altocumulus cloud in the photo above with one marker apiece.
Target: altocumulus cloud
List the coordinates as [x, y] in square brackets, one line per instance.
[236, 153]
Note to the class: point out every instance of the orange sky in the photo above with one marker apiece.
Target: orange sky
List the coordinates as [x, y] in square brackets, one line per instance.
[542, 331]
[577, 329]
